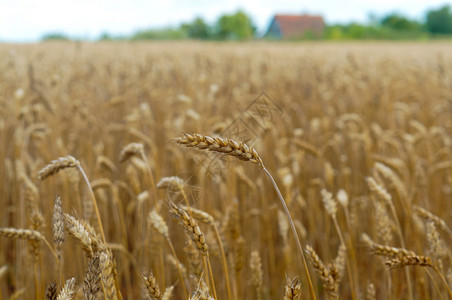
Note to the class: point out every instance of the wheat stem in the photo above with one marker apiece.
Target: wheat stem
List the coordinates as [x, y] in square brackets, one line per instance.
[444, 281]
[151, 177]
[173, 251]
[93, 198]
[294, 231]
[211, 276]
[36, 281]
[349, 269]
[223, 259]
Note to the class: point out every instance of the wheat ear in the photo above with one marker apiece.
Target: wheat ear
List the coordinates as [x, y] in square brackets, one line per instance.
[195, 233]
[328, 281]
[88, 239]
[137, 149]
[108, 275]
[244, 152]
[425, 214]
[57, 165]
[26, 234]
[91, 283]
[400, 257]
[71, 162]
[381, 193]
[58, 232]
[256, 273]
[292, 289]
[417, 260]
[330, 205]
[159, 224]
[68, 290]
[216, 144]
[51, 291]
[151, 286]
[206, 218]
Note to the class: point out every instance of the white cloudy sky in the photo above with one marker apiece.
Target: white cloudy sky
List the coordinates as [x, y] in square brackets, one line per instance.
[27, 20]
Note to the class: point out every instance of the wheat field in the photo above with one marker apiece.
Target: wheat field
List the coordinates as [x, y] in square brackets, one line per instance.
[100, 197]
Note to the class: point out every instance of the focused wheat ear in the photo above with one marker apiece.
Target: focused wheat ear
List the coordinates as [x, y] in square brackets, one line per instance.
[247, 153]
[216, 144]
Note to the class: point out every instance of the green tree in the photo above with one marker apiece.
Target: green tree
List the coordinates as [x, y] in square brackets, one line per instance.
[399, 22]
[440, 20]
[54, 36]
[238, 26]
[159, 34]
[198, 29]
[105, 36]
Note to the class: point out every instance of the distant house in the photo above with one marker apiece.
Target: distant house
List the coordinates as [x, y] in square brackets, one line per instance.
[295, 26]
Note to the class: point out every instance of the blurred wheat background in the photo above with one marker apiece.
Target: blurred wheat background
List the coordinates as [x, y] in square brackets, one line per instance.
[361, 151]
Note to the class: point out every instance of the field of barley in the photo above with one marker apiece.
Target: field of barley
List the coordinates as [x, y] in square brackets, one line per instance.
[144, 170]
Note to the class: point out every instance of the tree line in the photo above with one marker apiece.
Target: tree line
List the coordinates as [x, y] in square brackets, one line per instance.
[437, 23]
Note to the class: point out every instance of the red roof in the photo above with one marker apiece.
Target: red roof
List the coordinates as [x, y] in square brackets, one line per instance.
[295, 25]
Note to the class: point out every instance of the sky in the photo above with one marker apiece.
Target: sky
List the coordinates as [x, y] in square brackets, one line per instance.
[28, 20]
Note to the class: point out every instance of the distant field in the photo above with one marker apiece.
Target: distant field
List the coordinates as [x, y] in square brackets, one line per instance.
[357, 136]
